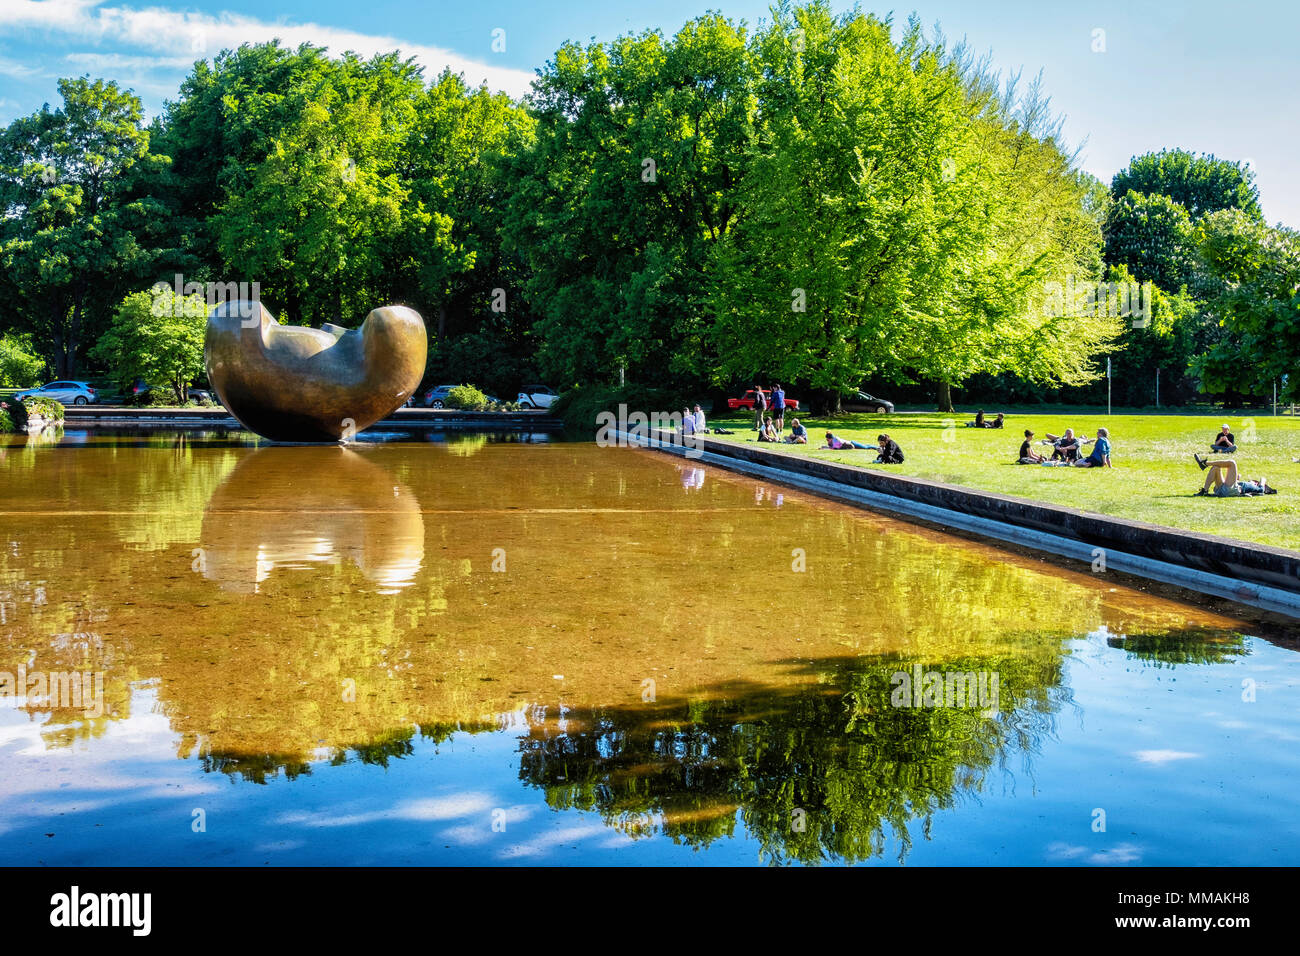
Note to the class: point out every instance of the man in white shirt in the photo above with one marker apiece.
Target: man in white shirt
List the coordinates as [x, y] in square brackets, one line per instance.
[699, 421]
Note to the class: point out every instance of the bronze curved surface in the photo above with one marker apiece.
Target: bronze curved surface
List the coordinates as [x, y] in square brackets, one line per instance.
[296, 384]
[260, 519]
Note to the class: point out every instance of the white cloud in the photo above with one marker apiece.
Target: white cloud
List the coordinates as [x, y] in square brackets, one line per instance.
[187, 36]
[15, 69]
[119, 61]
[1163, 756]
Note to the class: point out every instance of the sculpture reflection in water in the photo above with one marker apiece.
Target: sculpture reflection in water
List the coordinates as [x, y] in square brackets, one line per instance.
[303, 507]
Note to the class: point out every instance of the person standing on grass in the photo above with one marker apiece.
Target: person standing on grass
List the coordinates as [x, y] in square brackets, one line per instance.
[1100, 455]
[688, 423]
[778, 407]
[760, 406]
[700, 423]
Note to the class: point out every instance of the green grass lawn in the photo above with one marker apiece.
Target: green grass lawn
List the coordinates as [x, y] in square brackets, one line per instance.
[1154, 478]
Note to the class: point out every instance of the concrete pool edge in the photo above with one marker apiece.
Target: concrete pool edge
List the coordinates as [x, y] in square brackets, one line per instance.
[90, 416]
[1256, 575]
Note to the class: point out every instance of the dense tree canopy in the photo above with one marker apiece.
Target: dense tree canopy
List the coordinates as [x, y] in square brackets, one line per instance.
[76, 224]
[825, 200]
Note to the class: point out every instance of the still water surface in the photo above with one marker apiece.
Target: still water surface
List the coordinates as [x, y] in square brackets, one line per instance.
[493, 649]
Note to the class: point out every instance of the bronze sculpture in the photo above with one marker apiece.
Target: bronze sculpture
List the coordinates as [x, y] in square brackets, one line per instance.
[296, 384]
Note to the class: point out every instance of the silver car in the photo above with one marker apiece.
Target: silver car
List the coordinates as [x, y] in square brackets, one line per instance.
[64, 392]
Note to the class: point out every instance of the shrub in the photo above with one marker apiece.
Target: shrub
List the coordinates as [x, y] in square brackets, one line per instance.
[466, 397]
[20, 366]
[6, 420]
[20, 412]
[580, 406]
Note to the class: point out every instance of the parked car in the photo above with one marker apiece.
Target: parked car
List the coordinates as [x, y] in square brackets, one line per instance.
[537, 396]
[200, 394]
[862, 402]
[747, 401]
[67, 393]
[437, 397]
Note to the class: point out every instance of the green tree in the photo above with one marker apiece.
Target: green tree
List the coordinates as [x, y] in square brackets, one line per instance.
[1200, 184]
[20, 366]
[898, 218]
[627, 186]
[1258, 307]
[1152, 236]
[158, 337]
[76, 229]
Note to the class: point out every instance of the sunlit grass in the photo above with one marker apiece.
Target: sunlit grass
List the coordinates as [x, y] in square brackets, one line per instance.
[1154, 478]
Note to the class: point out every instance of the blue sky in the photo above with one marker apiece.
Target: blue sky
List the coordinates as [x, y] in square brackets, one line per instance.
[1210, 77]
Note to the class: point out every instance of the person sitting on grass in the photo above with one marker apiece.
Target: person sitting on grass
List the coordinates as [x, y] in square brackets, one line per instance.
[1027, 454]
[1066, 447]
[1224, 443]
[837, 443]
[1224, 481]
[768, 431]
[798, 434]
[890, 453]
[979, 420]
[688, 423]
[1100, 456]
[999, 421]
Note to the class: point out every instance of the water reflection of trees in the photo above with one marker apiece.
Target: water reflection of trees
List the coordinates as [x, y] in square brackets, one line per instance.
[1191, 646]
[829, 773]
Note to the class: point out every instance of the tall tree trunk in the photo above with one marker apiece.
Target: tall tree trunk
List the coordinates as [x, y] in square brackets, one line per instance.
[442, 321]
[944, 399]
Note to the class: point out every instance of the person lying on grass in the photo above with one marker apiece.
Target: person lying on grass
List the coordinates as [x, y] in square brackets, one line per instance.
[1224, 443]
[837, 443]
[1027, 454]
[1100, 456]
[1224, 481]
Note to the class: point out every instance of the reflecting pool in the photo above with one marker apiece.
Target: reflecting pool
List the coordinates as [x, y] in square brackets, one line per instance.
[504, 648]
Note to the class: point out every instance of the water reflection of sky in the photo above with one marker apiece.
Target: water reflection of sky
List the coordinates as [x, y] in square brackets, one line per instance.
[1187, 774]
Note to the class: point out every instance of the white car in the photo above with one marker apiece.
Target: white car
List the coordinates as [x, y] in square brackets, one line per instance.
[537, 396]
[66, 393]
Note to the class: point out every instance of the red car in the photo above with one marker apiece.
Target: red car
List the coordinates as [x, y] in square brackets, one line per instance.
[747, 401]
